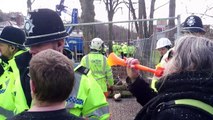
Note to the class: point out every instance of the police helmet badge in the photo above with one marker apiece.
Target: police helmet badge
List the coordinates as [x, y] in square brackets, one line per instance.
[28, 27]
[42, 26]
[193, 24]
[191, 21]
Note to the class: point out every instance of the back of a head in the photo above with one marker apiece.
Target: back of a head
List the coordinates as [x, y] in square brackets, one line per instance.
[192, 53]
[97, 44]
[52, 75]
[43, 25]
[163, 42]
[193, 24]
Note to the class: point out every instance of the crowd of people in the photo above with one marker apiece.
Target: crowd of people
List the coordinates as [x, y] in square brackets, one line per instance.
[123, 49]
[44, 30]
[39, 82]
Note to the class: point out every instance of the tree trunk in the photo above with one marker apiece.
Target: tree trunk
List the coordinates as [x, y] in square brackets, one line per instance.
[145, 29]
[132, 10]
[87, 16]
[146, 46]
[111, 35]
[111, 7]
[140, 16]
[152, 8]
[172, 6]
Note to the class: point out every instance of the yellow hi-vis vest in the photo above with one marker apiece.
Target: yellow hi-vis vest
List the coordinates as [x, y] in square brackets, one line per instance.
[155, 79]
[7, 105]
[19, 100]
[125, 49]
[100, 69]
[87, 98]
[7, 95]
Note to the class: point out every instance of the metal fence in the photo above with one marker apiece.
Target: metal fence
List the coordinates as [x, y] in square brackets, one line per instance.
[127, 33]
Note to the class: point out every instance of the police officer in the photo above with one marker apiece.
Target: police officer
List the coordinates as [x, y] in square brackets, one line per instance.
[193, 25]
[124, 49]
[98, 65]
[45, 30]
[11, 45]
[116, 48]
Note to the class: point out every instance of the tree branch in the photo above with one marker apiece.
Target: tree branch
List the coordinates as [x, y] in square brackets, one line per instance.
[161, 5]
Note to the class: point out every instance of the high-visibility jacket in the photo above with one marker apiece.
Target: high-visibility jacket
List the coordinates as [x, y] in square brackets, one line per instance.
[131, 50]
[7, 82]
[100, 69]
[155, 79]
[116, 49]
[162, 63]
[19, 66]
[125, 49]
[6, 95]
[87, 99]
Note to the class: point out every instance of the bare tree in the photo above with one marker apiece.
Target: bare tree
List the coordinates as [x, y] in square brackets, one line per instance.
[111, 6]
[88, 15]
[171, 25]
[143, 31]
[29, 4]
[129, 5]
[151, 15]
[146, 29]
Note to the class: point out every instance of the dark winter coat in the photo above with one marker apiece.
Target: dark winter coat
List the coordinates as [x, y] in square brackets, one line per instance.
[185, 85]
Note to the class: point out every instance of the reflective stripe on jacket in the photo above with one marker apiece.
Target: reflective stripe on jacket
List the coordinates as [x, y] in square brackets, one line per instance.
[87, 99]
[7, 105]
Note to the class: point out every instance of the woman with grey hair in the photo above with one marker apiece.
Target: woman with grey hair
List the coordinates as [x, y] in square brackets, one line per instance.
[185, 90]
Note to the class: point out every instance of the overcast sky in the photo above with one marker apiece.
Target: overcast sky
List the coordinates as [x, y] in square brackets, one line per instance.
[183, 8]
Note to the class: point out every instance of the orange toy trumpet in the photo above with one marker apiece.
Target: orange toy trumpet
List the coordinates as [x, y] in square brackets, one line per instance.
[113, 59]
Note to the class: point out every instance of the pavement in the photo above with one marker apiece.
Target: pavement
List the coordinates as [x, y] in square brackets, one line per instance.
[126, 109]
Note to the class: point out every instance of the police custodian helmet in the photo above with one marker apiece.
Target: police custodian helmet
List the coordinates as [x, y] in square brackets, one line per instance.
[42, 26]
[13, 36]
[193, 24]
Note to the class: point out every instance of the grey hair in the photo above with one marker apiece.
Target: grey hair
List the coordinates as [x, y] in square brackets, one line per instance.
[191, 53]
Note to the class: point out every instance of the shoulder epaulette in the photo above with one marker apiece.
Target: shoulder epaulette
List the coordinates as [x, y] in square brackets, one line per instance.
[82, 70]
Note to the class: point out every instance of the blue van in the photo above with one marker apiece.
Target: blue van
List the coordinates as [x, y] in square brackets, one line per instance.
[75, 44]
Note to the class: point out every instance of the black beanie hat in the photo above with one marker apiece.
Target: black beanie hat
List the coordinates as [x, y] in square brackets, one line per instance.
[13, 36]
[193, 24]
[43, 25]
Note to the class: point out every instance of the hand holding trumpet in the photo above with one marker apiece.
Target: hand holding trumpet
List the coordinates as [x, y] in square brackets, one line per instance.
[132, 63]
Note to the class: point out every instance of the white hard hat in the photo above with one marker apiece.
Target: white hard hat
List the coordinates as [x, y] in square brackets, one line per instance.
[163, 42]
[96, 44]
